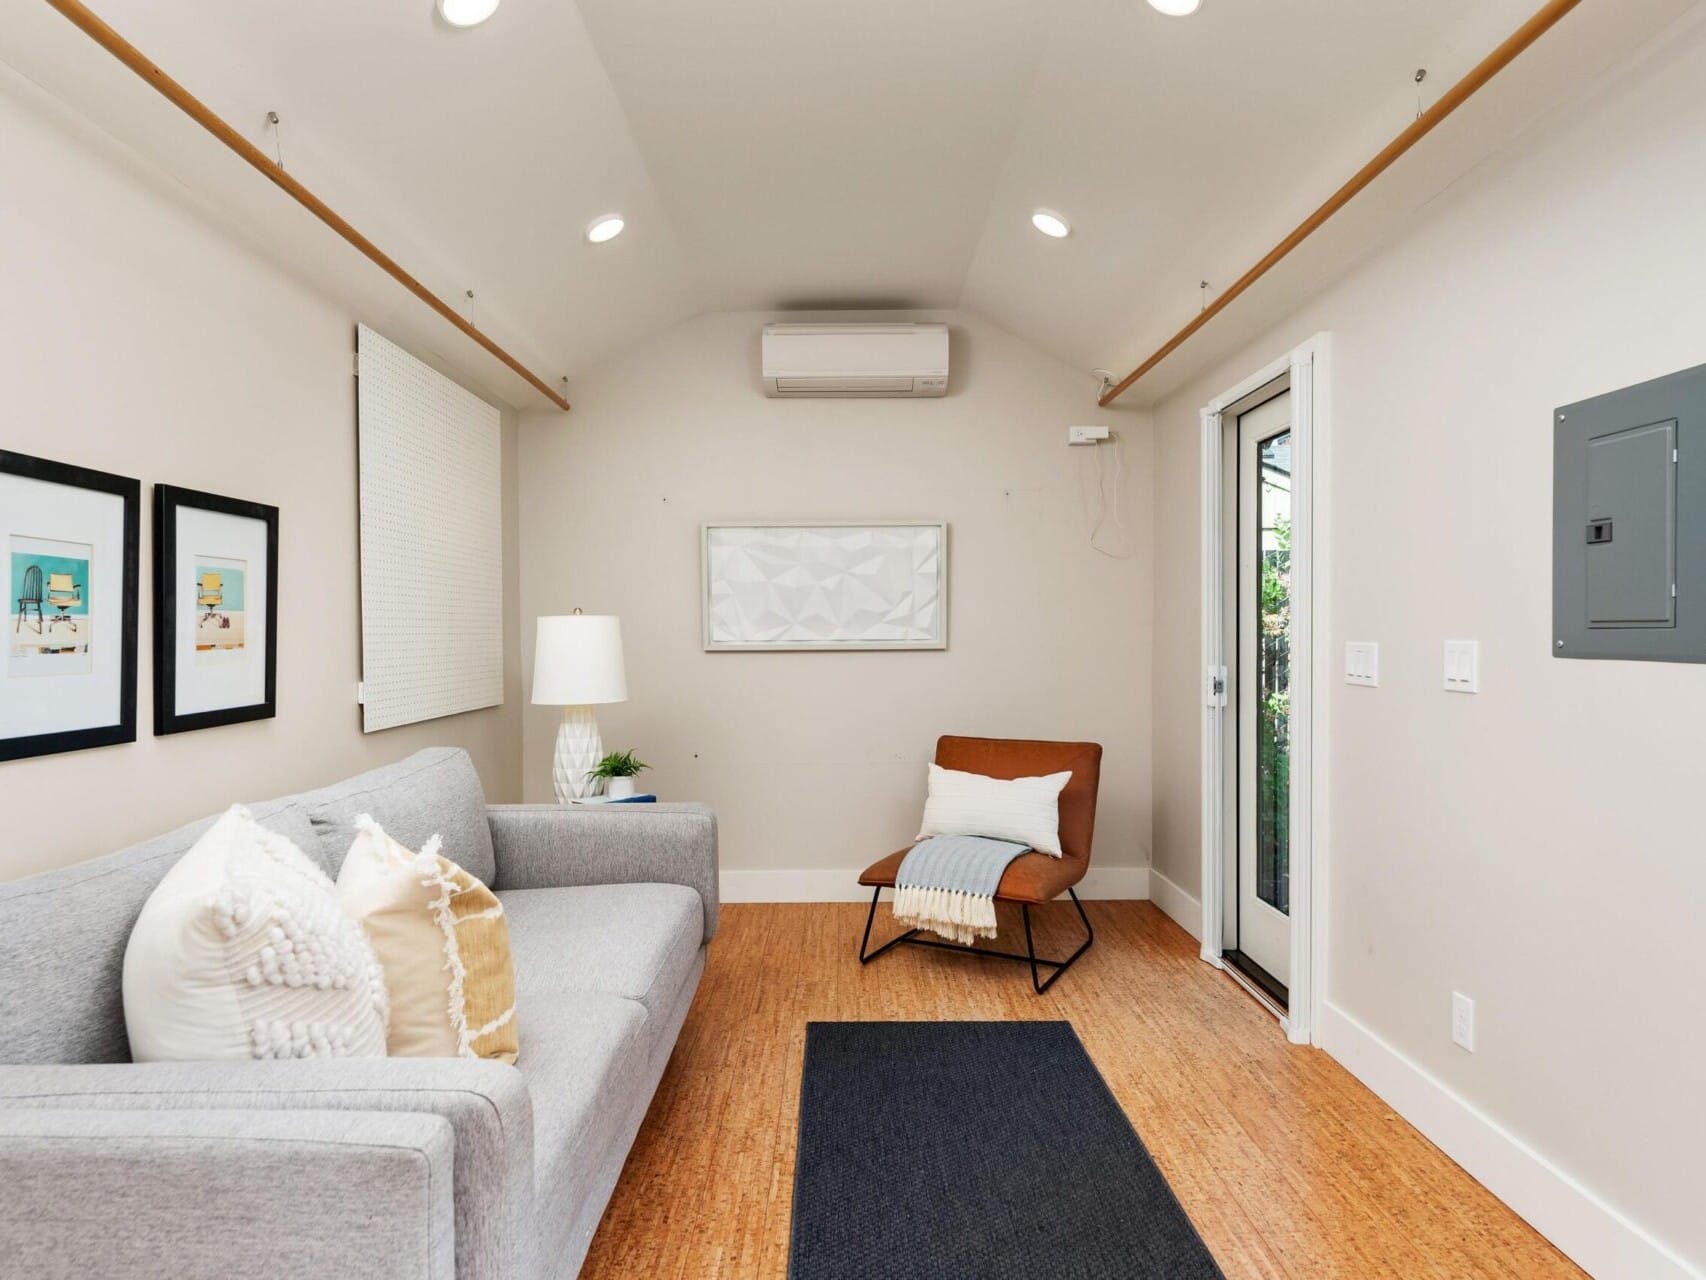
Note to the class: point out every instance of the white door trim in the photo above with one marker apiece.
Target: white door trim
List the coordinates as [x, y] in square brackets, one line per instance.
[1308, 368]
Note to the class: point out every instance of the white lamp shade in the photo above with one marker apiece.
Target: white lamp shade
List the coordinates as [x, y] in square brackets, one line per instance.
[577, 661]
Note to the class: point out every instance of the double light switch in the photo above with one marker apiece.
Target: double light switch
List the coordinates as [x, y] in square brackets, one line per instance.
[1462, 666]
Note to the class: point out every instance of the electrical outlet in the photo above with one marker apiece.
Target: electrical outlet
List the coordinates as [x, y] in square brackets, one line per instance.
[1362, 662]
[1463, 1021]
[1086, 435]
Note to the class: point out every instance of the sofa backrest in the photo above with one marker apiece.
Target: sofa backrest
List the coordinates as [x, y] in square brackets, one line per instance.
[63, 933]
[431, 793]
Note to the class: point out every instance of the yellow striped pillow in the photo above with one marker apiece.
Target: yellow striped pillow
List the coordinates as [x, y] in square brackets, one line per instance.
[443, 942]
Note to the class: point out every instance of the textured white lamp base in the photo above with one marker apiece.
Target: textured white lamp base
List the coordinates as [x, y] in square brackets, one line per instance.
[579, 749]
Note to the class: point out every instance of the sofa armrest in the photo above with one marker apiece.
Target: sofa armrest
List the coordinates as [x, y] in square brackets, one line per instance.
[545, 846]
[486, 1105]
[227, 1193]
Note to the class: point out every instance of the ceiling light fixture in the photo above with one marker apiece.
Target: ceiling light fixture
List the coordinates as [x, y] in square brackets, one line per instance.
[606, 228]
[1175, 8]
[1051, 224]
[466, 13]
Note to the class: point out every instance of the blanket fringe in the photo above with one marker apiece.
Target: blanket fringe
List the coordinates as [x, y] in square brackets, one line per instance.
[952, 913]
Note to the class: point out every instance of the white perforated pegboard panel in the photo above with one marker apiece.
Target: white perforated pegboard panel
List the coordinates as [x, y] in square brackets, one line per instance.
[431, 541]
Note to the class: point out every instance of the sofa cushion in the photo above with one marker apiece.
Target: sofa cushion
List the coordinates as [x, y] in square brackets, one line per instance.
[637, 941]
[584, 1058]
[62, 940]
[431, 793]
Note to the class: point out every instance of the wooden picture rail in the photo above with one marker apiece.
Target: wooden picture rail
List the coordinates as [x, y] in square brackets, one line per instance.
[102, 34]
[1538, 25]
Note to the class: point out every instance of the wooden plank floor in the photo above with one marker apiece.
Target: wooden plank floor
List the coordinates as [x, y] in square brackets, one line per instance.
[1287, 1165]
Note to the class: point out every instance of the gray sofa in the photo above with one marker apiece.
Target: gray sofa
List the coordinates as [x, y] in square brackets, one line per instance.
[385, 1167]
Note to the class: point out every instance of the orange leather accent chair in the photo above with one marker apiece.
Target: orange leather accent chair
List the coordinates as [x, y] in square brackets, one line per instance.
[1031, 879]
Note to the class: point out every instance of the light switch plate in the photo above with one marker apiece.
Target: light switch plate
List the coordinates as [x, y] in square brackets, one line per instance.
[1462, 666]
[1362, 662]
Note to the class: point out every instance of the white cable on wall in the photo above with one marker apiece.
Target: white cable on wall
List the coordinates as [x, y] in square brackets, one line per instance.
[431, 541]
[1104, 508]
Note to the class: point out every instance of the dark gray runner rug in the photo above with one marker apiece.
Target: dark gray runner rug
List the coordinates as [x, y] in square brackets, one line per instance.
[975, 1151]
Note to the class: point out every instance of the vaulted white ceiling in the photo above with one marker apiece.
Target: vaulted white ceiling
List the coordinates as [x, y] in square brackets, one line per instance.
[812, 154]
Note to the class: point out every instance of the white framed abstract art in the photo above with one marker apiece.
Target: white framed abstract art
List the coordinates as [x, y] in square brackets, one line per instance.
[825, 586]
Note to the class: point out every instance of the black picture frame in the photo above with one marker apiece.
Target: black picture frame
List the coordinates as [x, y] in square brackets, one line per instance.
[129, 491]
[168, 500]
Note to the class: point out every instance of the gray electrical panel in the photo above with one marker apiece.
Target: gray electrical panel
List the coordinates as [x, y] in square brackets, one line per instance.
[1629, 523]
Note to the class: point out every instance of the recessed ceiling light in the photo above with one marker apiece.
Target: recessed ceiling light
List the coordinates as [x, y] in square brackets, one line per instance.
[1175, 8]
[466, 13]
[1051, 223]
[606, 228]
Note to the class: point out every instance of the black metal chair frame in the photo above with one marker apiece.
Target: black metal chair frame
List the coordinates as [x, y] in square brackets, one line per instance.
[1038, 983]
[32, 596]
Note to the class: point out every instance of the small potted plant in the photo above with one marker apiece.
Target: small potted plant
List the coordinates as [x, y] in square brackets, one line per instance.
[619, 769]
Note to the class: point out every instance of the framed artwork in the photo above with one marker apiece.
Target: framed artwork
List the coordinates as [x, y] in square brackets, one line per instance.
[70, 539]
[825, 586]
[215, 610]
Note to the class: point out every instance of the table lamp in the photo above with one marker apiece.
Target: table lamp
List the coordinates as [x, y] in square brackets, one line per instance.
[577, 664]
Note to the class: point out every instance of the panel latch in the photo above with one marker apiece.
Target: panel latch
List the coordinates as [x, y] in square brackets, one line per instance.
[1599, 531]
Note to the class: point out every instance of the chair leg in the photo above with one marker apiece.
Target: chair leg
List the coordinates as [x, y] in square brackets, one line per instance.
[1062, 965]
[865, 941]
[1030, 946]
[1039, 984]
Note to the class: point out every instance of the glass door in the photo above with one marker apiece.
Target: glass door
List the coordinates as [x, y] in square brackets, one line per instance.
[1262, 904]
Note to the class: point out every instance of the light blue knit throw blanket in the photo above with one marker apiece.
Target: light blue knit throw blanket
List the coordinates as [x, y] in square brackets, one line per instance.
[946, 884]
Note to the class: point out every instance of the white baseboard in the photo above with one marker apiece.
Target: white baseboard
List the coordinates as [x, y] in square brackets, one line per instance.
[1185, 910]
[1115, 884]
[842, 885]
[1601, 1239]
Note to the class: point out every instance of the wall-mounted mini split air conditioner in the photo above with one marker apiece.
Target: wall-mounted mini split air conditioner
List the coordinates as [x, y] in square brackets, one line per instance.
[855, 360]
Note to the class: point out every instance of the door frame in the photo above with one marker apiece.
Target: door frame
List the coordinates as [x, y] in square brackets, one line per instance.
[1309, 381]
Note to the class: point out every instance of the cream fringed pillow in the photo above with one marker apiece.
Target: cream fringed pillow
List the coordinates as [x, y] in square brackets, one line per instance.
[443, 942]
[242, 951]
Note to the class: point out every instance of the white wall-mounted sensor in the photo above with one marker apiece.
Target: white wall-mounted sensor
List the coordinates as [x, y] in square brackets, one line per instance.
[1086, 435]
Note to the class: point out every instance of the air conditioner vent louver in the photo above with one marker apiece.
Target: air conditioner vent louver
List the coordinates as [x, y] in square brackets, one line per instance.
[855, 360]
[844, 386]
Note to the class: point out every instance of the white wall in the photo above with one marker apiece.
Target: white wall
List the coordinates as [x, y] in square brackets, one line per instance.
[815, 761]
[1537, 846]
[135, 338]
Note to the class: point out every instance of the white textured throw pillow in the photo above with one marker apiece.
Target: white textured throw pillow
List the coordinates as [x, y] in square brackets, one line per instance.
[242, 951]
[1024, 810]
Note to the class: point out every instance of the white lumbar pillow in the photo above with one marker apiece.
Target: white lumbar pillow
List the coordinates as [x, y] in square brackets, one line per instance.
[242, 951]
[1023, 810]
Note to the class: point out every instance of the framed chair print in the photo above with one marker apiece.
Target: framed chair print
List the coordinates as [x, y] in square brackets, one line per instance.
[70, 539]
[215, 610]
